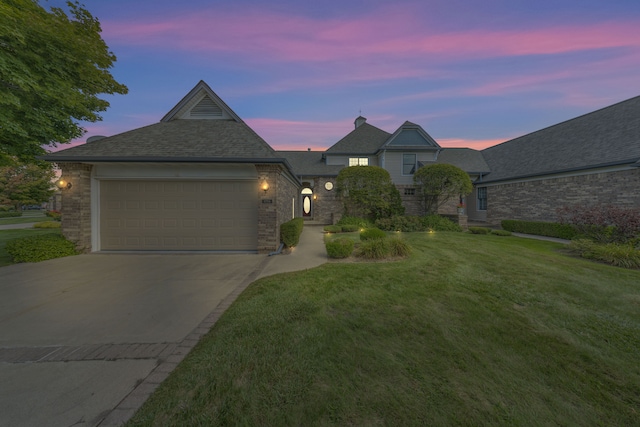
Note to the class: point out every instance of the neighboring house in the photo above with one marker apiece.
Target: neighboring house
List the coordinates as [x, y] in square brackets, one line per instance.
[592, 159]
[195, 181]
[202, 180]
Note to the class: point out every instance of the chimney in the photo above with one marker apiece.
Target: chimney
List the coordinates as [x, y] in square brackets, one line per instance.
[360, 121]
[308, 149]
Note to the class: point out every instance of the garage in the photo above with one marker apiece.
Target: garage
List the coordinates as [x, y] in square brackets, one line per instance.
[178, 215]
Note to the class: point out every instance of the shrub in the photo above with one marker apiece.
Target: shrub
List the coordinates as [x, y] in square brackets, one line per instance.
[372, 234]
[620, 255]
[439, 223]
[398, 247]
[354, 220]
[9, 214]
[479, 230]
[603, 223]
[349, 228]
[56, 215]
[39, 248]
[332, 228]
[373, 249]
[47, 224]
[550, 229]
[339, 248]
[401, 223]
[501, 232]
[290, 232]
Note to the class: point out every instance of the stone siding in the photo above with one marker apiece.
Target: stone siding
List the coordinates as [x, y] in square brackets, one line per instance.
[538, 200]
[76, 205]
[327, 208]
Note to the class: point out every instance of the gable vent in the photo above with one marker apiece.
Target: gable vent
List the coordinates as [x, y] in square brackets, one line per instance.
[206, 108]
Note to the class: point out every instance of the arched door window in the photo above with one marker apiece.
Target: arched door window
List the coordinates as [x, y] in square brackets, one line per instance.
[307, 199]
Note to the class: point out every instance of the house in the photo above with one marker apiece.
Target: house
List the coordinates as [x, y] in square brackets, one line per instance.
[202, 180]
[589, 160]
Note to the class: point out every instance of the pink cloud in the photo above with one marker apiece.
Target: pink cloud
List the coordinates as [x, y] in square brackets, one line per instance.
[476, 144]
[386, 33]
[300, 135]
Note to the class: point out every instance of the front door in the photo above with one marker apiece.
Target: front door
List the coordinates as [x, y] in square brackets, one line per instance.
[307, 202]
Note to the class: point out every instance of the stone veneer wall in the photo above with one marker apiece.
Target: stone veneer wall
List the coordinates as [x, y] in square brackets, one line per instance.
[327, 208]
[275, 205]
[538, 200]
[76, 205]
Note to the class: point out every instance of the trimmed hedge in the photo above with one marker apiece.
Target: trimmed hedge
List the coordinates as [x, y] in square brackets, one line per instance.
[47, 224]
[479, 230]
[550, 229]
[417, 223]
[501, 233]
[339, 248]
[372, 234]
[354, 220]
[10, 214]
[39, 248]
[290, 232]
[349, 228]
[332, 228]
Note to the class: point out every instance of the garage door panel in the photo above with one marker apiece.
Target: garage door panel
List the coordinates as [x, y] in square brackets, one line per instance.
[188, 215]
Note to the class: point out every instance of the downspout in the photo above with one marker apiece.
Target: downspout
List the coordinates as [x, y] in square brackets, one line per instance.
[278, 251]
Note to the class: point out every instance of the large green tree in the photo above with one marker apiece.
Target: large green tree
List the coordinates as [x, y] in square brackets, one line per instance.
[53, 66]
[439, 183]
[368, 192]
[26, 184]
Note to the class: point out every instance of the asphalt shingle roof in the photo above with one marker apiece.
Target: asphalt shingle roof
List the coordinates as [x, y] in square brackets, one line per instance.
[306, 163]
[467, 159]
[365, 139]
[604, 137]
[177, 139]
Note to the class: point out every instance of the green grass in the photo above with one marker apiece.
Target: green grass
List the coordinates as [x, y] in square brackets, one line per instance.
[6, 235]
[27, 217]
[469, 330]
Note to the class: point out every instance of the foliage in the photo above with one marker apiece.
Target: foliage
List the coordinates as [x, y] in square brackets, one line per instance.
[56, 215]
[355, 220]
[11, 214]
[368, 192]
[602, 223]
[26, 183]
[398, 247]
[479, 230]
[372, 234]
[437, 184]
[503, 233]
[290, 232]
[373, 249]
[339, 248]
[539, 228]
[332, 228]
[52, 69]
[40, 248]
[417, 223]
[440, 223]
[621, 255]
[349, 228]
[47, 224]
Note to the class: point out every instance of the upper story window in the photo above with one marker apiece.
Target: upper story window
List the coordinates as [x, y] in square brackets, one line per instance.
[358, 161]
[408, 164]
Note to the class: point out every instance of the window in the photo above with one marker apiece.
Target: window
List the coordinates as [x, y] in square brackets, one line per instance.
[358, 161]
[409, 191]
[408, 164]
[482, 198]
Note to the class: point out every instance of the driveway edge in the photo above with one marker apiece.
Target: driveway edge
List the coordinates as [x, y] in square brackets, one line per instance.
[128, 406]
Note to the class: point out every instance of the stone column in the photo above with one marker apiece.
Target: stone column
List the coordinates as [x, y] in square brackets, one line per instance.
[76, 205]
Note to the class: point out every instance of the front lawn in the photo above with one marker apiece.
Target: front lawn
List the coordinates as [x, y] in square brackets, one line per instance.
[469, 330]
[6, 235]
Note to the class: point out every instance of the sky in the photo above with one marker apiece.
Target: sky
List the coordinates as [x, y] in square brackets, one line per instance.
[471, 73]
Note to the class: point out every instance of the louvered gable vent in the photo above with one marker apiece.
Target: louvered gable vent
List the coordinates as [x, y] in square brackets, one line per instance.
[206, 108]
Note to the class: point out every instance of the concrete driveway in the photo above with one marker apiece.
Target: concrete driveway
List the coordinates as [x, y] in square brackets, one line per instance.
[79, 334]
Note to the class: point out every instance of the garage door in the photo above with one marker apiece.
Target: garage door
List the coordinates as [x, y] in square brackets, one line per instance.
[178, 215]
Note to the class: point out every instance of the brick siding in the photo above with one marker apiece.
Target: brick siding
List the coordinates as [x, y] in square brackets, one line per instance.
[76, 205]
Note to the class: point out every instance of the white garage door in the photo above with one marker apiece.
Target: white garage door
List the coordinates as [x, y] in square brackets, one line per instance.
[179, 215]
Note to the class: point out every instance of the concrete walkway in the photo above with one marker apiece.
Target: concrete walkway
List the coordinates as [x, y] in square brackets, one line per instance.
[85, 340]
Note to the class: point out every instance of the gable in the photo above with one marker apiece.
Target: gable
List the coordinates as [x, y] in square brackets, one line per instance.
[410, 136]
[201, 103]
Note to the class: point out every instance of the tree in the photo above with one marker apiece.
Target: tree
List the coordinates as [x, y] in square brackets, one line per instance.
[52, 69]
[26, 184]
[368, 192]
[439, 183]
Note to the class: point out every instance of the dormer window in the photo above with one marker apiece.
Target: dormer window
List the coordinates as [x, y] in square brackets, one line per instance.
[358, 161]
[408, 164]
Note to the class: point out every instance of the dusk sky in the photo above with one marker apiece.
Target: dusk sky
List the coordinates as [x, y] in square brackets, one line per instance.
[471, 73]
